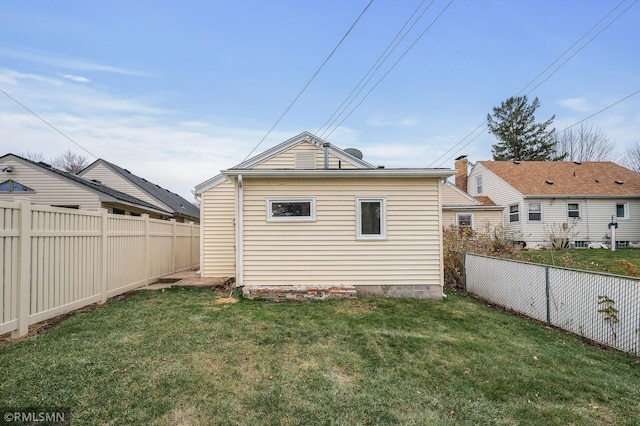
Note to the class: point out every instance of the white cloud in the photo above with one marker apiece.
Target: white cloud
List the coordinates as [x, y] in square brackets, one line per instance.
[575, 104]
[76, 78]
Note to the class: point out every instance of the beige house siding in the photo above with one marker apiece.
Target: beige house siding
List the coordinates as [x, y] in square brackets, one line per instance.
[481, 218]
[111, 179]
[327, 251]
[49, 189]
[218, 231]
[287, 159]
[451, 196]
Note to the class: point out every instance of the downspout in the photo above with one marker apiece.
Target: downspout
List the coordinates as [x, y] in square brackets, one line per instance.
[240, 230]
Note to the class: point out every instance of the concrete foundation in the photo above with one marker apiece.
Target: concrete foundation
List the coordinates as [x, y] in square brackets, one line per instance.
[418, 291]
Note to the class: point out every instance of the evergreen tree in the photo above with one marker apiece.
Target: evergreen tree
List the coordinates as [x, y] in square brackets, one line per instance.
[520, 137]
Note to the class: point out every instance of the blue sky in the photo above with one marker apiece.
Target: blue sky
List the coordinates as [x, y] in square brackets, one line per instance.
[177, 91]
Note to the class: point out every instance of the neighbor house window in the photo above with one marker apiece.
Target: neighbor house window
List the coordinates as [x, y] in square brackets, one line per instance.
[371, 218]
[514, 213]
[622, 210]
[573, 210]
[118, 211]
[291, 209]
[13, 186]
[479, 185]
[535, 212]
[464, 220]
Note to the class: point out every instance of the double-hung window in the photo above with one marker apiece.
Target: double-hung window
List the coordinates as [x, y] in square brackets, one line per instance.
[622, 211]
[514, 213]
[371, 218]
[291, 209]
[479, 185]
[573, 210]
[464, 220]
[535, 212]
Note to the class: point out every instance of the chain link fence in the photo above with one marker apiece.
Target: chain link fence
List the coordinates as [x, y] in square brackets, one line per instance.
[601, 307]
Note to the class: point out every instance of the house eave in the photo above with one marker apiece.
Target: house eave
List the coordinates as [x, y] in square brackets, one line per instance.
[341, 173]
[589, 196]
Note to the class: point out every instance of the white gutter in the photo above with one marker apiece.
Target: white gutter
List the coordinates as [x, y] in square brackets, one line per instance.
[240, 230]
[342, 173]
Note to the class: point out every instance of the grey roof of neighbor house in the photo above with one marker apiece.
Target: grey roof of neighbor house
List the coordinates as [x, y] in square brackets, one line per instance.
[177, 204]
[93, 185]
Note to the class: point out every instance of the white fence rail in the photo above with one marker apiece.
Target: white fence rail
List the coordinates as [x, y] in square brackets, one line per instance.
[601, 307]
[56, 260]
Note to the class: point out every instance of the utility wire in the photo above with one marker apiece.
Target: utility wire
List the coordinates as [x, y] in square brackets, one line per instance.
[374, 69]
[309, 82]
[598, 112]
[392, 67]
[47, 123]
[548, 77]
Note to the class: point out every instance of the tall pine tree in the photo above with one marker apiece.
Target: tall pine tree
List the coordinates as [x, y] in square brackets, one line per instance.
[520, 137]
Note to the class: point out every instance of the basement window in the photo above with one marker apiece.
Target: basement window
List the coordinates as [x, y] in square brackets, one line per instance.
[371, 218]
[291, 209]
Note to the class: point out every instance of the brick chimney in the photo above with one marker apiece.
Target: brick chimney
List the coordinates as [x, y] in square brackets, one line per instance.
[462, 166]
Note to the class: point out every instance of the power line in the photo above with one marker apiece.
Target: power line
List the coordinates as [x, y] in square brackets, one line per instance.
[310, 80]
[598, 112]
[373, 69]
[392, 67]
[47, 123]
[556, 70]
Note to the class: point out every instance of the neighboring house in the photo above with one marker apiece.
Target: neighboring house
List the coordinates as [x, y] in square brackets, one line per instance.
[461, 209]
[306, 213]
[123, 180]
[39, 183]
[580, 198]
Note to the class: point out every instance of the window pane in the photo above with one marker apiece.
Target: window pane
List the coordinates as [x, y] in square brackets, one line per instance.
[535, 212]
[291, 209]
[464, 220]
[17, 187]
[5, 186]
[370, 217]
[620, 211]
[514, 213]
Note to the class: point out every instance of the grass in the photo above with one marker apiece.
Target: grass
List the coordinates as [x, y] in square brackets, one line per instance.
[182, 357]
[622, 261]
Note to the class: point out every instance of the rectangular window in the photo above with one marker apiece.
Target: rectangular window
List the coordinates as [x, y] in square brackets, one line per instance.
[622, 210]
[291, 209]
[464, 220]
[535, 212]
[573, 210]
[479, 185]
[371, 218]
[514, 213]
[118, 211]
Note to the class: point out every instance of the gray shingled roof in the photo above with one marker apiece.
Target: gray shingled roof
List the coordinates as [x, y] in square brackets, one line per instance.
[177, 204]
[93, 185]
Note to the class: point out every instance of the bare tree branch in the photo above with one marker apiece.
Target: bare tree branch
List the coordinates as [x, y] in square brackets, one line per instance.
[585, 143]
[70, 162]
[631, 159]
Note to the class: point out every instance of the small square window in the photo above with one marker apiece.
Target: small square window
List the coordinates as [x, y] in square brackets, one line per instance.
[622, 210]
[291, 209]
[371, 218]
[514, 213]
[535, 212]
[464, 220]
[573, 210]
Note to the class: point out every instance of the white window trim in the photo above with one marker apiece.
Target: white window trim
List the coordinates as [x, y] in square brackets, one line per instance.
[529, 212]
[464, 214]
[271, 218]
[509, 213]
[626, 211]
[579, 211]
[383, 218]
[479, 185]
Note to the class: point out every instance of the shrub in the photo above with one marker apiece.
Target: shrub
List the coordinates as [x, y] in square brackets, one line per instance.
[492, 241]
[560, 236]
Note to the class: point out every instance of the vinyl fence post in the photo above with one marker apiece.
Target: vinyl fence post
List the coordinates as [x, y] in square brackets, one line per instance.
[104, 256]
[147, 250]
[464, 271]
[548, 294]
[24, 271]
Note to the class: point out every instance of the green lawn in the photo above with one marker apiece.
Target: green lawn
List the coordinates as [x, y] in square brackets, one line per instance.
[181, 357]
[621, 262]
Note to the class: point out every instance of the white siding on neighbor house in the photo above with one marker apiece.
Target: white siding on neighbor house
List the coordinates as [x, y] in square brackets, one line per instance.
[287, 159]
[218, 207]
[49, 189]
[102, 173]
[500, 192]
[327, 251]
[595, 214]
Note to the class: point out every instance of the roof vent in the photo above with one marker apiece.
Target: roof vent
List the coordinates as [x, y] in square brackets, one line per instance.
[127, 171]
[577, 162]
[354, 152]
[42, 163]
[597, 181]
[516, 162]
[550, 182]
[381, 167]
[619, 182]
[96, 181]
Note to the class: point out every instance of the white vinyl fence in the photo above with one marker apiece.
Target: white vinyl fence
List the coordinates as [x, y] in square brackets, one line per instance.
[601, 307]
[55, 260]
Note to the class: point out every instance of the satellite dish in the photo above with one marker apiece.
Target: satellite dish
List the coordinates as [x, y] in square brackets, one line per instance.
[354, 152]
